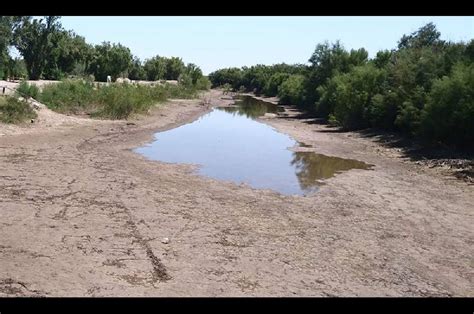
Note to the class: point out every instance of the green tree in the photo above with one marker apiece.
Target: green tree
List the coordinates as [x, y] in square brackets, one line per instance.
[70, 53]
[137, 70]
[194, 72]
[425, 36]
[231, 76]
[6, 36]
[110, 59]
[353, 97]
[449, 114]
[292, 90]
[174, 68]
[274, 82]
[155, 68]
[33, 40]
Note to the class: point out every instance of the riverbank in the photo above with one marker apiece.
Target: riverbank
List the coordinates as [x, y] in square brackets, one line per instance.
[83, 215]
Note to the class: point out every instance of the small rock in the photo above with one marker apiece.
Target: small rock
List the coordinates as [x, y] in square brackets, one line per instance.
[165, 240]
[32, 120]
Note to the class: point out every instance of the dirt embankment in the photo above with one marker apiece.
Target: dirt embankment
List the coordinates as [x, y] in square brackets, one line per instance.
[83, 215]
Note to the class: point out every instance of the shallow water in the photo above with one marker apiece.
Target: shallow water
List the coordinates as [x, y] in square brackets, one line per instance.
[229, 144]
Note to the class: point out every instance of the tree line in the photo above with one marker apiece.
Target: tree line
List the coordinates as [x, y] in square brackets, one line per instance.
[51, 52]
[424, 88]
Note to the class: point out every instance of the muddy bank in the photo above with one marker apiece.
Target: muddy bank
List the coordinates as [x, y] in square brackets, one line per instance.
[83, 215]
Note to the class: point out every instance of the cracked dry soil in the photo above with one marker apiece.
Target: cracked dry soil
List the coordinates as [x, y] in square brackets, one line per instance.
[83, 215]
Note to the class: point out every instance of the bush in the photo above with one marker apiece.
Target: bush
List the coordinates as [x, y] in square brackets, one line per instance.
[354, 92]
[69, 96]
[292, 90]
[116, 101]
[13, 110]
[203, 83]
[185, 80]
[449, 114]
[28, 91]
[273, 83]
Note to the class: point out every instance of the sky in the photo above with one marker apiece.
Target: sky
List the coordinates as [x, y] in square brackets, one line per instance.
[217, 42]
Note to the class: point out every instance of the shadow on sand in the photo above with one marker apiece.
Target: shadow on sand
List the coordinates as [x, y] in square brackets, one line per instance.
[461, 162]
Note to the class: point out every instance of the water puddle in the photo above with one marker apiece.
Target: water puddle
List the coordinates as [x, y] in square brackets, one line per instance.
[228, 144]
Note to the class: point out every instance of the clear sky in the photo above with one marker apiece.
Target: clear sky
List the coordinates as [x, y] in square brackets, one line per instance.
[217, 42]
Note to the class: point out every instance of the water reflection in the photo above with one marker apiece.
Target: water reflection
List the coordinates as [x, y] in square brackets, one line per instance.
[231, 145]
[251, 107]
[311, 168]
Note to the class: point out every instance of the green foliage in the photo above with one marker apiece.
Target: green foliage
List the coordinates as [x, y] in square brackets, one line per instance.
[194, 72]
[155, 68]
[116, 101]
[120, 101]
[110, 59]
[354, 92]
[274, 82]
[5, 41]
[426, 36]
[291, 91]
[70, 96]
[174, 68]
[69, 53]
[332, 120]
[259, 79]
[186, 80]
[179, 91]
[13, 110]
[382, 59]
[162, 68]
[449, 114]
[203, 83]
[227, 88]
[33, 40]
[383, 111]
[230, 76]
[137, 70]
[27, 90]
[16, 68]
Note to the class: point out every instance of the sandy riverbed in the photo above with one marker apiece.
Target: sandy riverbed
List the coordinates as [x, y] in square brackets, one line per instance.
[83, 215]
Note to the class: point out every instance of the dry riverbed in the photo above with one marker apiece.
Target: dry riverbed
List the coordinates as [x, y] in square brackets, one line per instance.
[83, 215]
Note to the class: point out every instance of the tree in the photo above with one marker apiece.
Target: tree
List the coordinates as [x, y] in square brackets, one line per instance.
[425, 36]
[110, 59]
[33, 40]
[274, 82]
[137, 71]
[155, 68]
[174, 67]
[353, 95]
[292, 90]
[69, 53]
[231, 76]
[194, 72]
[449, 114]
[6, 36]
[382, 58]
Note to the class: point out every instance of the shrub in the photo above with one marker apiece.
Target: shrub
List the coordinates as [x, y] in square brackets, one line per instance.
[449, 114]
[292, 90]
[13, 110]
[203, 83]
[28, 91]
[116, 101]
[354, 92]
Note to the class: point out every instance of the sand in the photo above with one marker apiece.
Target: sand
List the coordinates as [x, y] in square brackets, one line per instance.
[83, 215]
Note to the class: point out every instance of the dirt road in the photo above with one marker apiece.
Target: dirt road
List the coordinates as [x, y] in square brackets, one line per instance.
[83, 215]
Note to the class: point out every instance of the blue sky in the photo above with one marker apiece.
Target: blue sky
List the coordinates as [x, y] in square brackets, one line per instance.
[217, 42]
